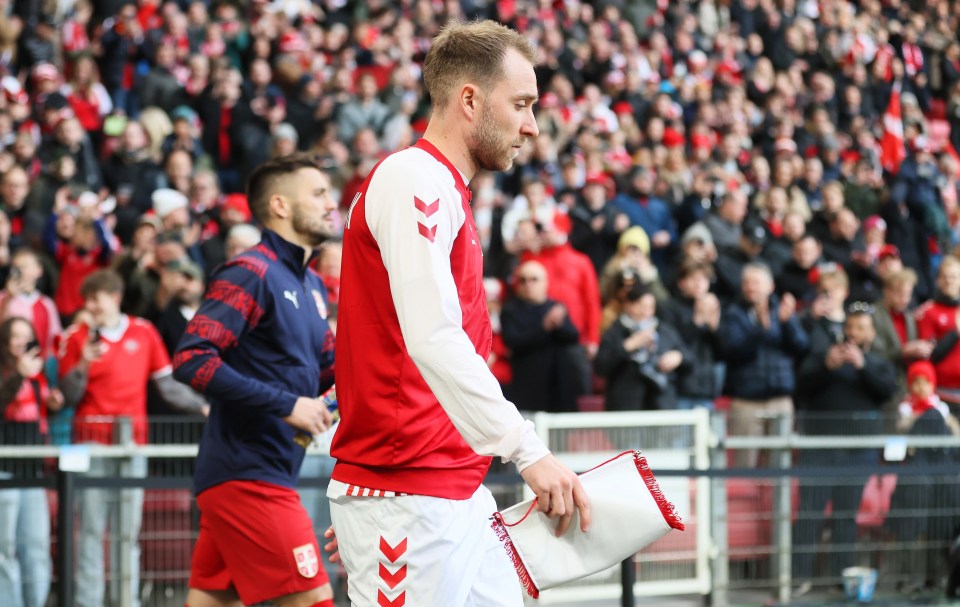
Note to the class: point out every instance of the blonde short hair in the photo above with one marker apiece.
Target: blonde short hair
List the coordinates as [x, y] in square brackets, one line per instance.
[470, 52]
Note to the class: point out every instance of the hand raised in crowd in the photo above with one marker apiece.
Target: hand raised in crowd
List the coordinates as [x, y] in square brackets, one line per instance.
[762, 309]
[92, 350]
[56, 400]
[919, 349]
[639, 339]
[14, 284]
[621, 222]
[553, 319]
[559, 492]
[29, 363]
[835, 357]
[788, 307]
[598, 223]
[820, 306]
[670, 360]
[706, 311]
[660, 239]
[310, 415]
[853, 355]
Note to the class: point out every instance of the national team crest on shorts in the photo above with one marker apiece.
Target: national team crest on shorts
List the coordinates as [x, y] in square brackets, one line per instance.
[307, 562]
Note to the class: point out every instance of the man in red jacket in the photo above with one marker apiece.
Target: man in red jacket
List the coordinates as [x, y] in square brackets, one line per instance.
[421, 411]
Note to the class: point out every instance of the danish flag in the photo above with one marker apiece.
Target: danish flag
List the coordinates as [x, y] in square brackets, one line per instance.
[428, 210]
[892, 149]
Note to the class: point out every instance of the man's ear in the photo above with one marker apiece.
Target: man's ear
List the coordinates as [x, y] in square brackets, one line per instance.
[278, 206]
[470, 96]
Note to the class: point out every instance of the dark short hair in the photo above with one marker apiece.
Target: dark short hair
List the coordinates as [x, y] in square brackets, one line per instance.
[263, 180]
[101, 281]
[636, 291]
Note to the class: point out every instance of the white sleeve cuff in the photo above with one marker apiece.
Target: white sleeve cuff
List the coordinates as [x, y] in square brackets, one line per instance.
[524, 446]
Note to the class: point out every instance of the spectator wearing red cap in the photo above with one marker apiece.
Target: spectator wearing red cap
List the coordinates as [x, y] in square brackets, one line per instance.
[922, 413]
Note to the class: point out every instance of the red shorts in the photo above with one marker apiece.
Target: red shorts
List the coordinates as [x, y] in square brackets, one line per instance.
[256, 538]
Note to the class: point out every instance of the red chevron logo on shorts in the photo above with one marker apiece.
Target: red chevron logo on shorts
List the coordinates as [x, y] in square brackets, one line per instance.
[382, 599]
[427, 209]
[392, 579]
[428, 233]
[393, 553]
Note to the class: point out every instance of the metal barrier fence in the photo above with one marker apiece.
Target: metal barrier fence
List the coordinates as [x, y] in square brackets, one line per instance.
[815, 505]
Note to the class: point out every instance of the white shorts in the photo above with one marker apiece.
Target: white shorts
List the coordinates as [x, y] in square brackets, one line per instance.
[422, 551]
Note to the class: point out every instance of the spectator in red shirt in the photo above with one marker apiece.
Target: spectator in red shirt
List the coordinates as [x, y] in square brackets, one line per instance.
[105, 364]
[80, 244]
[939, 319]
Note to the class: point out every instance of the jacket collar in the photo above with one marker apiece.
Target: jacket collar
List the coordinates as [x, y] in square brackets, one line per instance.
[291, 255]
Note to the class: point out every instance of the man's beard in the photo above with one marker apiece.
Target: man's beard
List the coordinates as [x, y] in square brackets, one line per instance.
[488, 151]
[314, 229]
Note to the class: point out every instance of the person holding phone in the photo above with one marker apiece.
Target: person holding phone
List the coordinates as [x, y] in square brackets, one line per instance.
[22, 298]
[25, 400]
[106, 362]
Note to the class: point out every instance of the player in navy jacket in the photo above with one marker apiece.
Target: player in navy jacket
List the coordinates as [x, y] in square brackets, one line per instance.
[261, 349]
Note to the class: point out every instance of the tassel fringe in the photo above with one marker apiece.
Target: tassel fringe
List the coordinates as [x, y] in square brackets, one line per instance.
[668, 510]
[501, 530]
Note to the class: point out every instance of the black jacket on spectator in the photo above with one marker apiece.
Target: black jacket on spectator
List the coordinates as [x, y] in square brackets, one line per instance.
[729, 268]
[843, 391]
[760, 362]
[696, 379]
[627, 388]
[140, 175]
[906, 231]
[778, 253]
[796, 281]
[545, 376]
[161, 89]
[171, 325]
[598, 246]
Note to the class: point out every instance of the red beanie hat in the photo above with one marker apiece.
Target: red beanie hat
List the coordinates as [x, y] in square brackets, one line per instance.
[922, 368]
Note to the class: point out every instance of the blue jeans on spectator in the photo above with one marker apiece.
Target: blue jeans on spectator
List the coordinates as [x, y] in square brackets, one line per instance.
[25, 567]
[686, 404]
[315, 502]
[123, 507]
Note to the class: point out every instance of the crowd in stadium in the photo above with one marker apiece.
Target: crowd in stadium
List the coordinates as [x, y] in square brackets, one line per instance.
[720, 192]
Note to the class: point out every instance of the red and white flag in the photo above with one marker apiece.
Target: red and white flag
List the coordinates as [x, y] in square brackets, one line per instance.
[892, 150]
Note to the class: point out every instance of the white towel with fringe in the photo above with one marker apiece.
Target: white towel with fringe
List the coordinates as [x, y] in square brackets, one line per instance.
[628, 513]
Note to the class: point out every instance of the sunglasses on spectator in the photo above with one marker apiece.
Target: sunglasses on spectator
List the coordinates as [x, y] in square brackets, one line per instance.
[526, 279]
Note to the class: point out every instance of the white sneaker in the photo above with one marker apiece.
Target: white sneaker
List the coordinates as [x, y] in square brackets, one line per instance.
[802, 588]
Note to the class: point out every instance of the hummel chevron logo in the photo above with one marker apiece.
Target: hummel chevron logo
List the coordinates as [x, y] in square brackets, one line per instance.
[382, 599]
[427, 209]
[392, 579]
[428, 233]
[393, 553]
